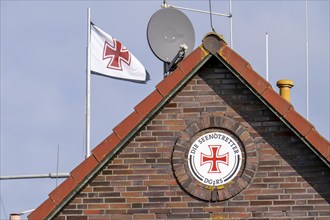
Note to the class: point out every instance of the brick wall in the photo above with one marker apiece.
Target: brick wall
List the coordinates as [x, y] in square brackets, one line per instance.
[290, 182]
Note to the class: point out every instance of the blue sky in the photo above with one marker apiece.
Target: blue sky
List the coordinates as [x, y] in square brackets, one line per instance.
[43, 62]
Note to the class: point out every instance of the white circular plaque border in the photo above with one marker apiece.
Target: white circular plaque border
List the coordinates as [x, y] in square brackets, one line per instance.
[214, 158]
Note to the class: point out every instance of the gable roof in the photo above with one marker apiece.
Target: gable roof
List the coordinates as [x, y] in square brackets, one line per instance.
[213, 46]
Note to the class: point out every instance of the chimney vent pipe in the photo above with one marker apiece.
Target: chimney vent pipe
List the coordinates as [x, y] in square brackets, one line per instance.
[285, 86]
[15, 216]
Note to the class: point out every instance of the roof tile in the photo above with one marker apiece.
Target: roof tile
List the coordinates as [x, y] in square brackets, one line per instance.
[172, 80]
[279, 103]
[233, 58]
[124, 127]
[298, 122]
[193, 58]
[212, 42]
[147, 104]
[83, 169]
[105, 147]
[255, 80]
[43, 210]
[58, 194]
[319, 142]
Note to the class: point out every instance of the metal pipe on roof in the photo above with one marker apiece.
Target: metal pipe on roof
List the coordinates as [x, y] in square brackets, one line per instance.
[26, 212]
[17, 216]
[200, 11]
[88, 84]
[267, 72]
[231, 25]
[307, 61]
[36, 176]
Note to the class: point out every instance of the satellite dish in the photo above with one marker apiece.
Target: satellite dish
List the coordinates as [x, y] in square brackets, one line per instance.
[168, 29]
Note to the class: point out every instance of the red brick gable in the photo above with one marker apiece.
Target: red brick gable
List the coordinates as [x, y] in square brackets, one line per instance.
[165, 90]
[285, 110]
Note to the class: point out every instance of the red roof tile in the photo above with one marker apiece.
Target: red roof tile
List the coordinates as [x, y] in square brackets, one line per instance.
[166, 85]
[298, 122]
[258, 83]
[147, 104]
[83, 169]
[319, 143]
[233, 59]
[194, 57]
[253, 80]
[124, 127]
[105, 147]
[58, 194]
[273, 98]
[43, 210]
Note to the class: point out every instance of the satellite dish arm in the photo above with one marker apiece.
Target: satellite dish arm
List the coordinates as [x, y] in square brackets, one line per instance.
[179, 56]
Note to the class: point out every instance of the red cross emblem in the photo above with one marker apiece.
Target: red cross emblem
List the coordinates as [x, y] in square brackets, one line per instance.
[117, 54]
[214, 159]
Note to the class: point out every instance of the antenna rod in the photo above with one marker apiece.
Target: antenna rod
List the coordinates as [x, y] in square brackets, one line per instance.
[57, 162]
[211, 22]
[17, 216]
[88, 83]
[25, 212]
[36, 176]
[267, 72]
[231, 25]
[307, 74]
[197, 10]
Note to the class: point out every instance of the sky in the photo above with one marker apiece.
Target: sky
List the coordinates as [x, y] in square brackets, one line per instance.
[43, 75]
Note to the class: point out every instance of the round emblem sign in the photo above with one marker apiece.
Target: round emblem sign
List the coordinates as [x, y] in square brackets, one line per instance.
[214, 158]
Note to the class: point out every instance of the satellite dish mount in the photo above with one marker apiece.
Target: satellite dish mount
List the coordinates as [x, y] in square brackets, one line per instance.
[170, 67]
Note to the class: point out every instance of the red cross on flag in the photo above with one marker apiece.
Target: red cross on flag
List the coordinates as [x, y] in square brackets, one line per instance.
[110, 57]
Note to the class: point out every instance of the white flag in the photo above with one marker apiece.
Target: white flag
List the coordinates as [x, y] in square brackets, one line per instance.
[111, 58]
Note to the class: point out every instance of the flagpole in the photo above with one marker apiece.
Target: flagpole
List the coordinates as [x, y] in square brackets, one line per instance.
[231, 26]
[88, 83]
[267, 70]
[307, 86]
